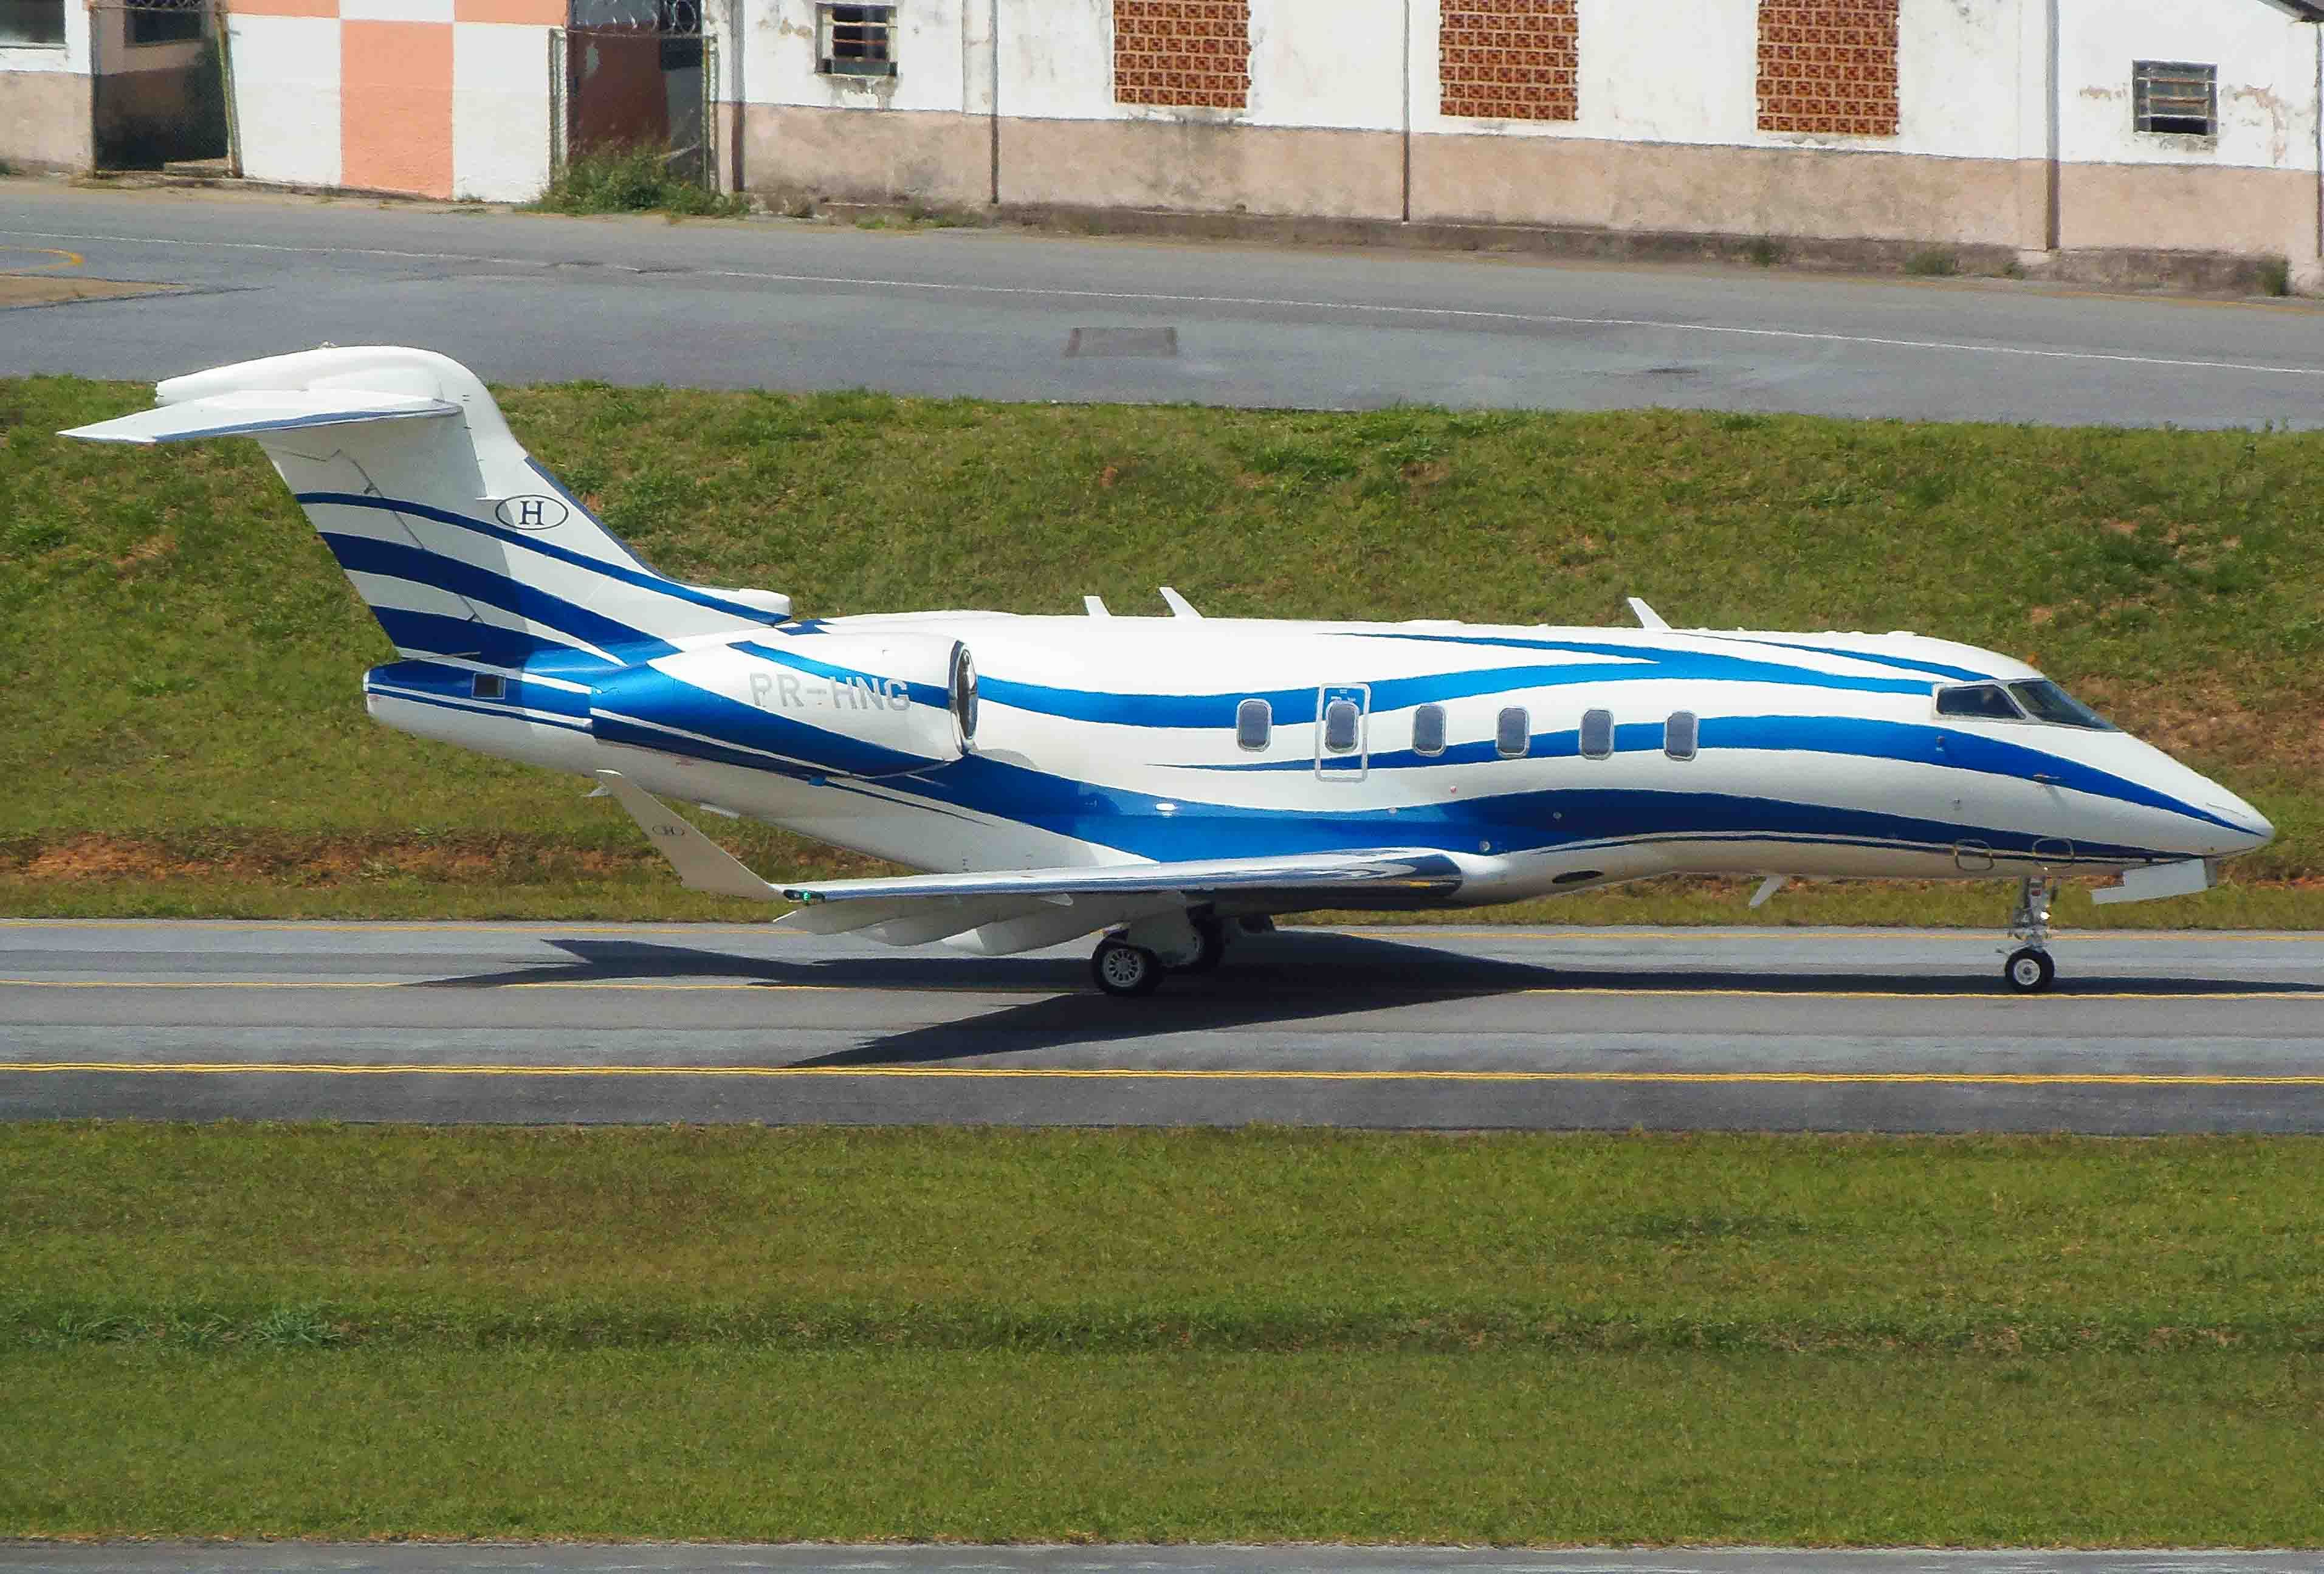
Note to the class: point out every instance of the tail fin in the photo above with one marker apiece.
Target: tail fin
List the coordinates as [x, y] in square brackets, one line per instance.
[461, 543]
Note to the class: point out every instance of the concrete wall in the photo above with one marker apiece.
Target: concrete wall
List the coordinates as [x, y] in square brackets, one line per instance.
[45, 122]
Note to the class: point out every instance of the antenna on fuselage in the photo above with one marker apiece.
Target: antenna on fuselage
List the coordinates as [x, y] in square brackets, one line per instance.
[1180, 607]
[1647, 617]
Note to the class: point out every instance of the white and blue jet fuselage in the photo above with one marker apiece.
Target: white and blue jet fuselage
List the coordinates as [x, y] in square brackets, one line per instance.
[1167, 779]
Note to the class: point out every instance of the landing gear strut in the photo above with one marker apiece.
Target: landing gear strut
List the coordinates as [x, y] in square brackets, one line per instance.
[2029, 969]
[1211, 937]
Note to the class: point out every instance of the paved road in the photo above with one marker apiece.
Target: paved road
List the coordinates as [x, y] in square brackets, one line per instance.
[308, 1558]
[779, 304]
[1603, 1029]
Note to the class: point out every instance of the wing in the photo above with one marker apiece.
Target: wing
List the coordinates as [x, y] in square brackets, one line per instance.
[1019, 909]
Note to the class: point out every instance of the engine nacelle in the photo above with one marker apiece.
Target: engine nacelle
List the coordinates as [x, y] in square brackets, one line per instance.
[815, 705]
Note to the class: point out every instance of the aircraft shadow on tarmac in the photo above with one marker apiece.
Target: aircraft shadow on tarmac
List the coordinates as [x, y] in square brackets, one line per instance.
[1267, 979]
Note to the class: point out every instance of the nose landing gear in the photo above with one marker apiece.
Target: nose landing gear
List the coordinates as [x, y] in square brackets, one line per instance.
[2029, 969]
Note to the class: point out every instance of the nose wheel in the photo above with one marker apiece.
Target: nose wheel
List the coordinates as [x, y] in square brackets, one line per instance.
[2029, 969]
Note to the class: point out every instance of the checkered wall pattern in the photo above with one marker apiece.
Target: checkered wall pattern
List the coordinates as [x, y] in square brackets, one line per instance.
[1510, 60]
[1187, 53]
[1827, 66]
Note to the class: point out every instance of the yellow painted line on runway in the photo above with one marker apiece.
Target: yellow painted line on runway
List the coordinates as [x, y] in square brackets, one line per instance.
[1039, 1073]
[1389, 993]
[64, 258]
[517, 929]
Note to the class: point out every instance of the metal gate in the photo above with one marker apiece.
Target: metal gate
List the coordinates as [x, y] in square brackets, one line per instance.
[159, 82]
[627, 74]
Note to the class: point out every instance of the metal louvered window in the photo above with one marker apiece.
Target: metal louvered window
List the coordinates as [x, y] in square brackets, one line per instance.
[1428, 730]
[1254, 724]
[1513, 732]
[1597, 735]
[1339, 727]
[2174, 98]
[856, 40]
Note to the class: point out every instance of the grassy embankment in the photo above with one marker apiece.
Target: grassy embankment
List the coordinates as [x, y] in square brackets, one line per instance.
[180, 734]
[1005, 1336]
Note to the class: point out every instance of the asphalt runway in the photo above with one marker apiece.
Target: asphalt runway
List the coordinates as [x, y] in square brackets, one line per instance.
[1446, 1029]
[786, 305]
[372, 1558]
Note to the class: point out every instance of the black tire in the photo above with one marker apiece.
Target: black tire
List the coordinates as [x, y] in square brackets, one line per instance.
[1213, 935]
[1124, 970]
[2028, 971]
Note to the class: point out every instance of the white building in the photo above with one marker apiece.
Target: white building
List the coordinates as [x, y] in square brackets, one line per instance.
[2140, 136]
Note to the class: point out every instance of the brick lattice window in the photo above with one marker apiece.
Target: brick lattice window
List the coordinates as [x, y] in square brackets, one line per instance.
[1510, 60]
[1827, 66]
[1188, 54]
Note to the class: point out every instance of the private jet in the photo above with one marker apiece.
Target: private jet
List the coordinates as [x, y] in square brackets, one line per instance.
[1168, 783]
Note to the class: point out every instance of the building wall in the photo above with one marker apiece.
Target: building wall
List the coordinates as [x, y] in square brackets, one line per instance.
[433, 97]
[45, 120]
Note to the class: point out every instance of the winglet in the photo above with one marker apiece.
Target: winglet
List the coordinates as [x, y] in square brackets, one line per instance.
[1647, 617]
[701, 863]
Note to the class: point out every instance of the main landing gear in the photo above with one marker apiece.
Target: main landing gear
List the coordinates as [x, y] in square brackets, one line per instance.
[1124, 968]
[2029, 969]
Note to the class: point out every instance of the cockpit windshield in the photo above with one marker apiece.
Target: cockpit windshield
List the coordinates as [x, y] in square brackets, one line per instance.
[1983, 700]
[2045, 702]
[2033, 699]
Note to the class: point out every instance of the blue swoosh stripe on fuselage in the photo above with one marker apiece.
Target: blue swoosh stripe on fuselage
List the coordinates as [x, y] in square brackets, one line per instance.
[1907, 742]
[394, 560]
[1906, 662]
[645, 697]
[641, 578]
[1190, 711]
[459, 683]
[1701, 665]
[919, 693]
[1514, 821]
[471, 707]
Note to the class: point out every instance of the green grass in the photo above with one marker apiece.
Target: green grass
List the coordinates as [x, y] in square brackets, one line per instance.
[1004, 1446]
[634, 179]
[1250, 1336]
[182, 722]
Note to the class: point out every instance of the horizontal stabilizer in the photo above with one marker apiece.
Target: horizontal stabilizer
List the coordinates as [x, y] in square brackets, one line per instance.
[240, 414]
[1339, 874]
[701, 863]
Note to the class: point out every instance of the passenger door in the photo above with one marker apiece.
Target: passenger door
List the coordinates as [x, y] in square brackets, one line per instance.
[1342, 731]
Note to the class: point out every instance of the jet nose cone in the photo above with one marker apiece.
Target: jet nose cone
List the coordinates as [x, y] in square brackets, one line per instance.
[2252, 829]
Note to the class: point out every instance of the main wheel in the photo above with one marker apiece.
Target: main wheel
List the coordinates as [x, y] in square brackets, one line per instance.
[1121, 968]
[1213, 950]
[2028, 971]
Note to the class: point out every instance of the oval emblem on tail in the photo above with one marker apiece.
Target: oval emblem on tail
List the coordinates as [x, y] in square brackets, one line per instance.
[531, 513]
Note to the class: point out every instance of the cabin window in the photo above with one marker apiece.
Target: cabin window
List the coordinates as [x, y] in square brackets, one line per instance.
[1254, 724]
[1428, 730]
[1597, 735]
[488, 686]
[2045, 702]
[1679, 735]
[1513, 732]
[1984, 701]
[1340, 719]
